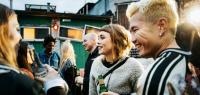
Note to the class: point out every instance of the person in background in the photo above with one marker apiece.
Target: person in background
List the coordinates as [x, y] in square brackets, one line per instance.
[134, 52]
[25, 58]
[68, 69]
[90, 44]
[153, 26]
[114, 44]
[188, 39]
[48, 56]
[12, 81]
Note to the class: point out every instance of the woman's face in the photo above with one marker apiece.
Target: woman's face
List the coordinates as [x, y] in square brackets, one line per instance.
[13, 27]
[104, 43]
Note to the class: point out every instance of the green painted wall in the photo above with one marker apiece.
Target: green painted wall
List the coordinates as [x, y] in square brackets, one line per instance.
[81, 54]
[34, 21]
[38, 45]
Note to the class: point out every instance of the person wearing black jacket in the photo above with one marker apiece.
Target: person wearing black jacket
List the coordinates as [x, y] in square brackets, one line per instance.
[89, 42]
[68, 69]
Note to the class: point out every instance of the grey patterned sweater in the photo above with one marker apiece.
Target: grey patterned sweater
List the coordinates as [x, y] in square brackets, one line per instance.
[122, 80]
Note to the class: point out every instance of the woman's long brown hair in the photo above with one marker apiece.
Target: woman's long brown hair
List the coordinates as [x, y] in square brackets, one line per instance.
[7, 52]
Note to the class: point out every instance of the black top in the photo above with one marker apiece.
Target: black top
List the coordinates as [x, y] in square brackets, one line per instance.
[14, 83]
[109, 64]
[68, 73]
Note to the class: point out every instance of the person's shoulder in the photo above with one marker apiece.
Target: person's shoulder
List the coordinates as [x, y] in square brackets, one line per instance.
[95, 53]
[169, 52]
[133, 62]
[97, 62]
[98, 59]
[15, 81]
[69, 63]
[55, 53]
[19, 79]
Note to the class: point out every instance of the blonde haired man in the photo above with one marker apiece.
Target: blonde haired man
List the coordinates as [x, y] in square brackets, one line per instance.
[153, 26]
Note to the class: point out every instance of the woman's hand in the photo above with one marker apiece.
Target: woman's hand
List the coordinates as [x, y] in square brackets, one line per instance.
[51, 73]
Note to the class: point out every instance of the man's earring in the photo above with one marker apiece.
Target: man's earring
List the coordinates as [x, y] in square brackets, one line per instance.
[161, 31]
[161, 34]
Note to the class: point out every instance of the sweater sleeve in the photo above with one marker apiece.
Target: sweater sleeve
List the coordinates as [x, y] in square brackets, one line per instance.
[137, 71]
[92, 84]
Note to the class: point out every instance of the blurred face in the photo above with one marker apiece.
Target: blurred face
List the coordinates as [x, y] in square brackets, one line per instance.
[14, 30]
[104, 43]
[49, 47]
[30, 56]
[195, 70]
[88, 44]
[145, 36]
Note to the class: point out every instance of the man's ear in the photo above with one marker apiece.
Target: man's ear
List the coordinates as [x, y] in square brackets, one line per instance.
[162, 25]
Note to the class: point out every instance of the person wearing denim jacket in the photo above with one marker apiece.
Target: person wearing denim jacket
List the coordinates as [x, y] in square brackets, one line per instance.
[53, 60]
[48, 56]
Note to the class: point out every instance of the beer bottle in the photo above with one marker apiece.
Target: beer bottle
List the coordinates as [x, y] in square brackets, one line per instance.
[103, 88]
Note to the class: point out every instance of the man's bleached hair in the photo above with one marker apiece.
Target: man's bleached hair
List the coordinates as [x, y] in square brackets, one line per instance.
[152, 10]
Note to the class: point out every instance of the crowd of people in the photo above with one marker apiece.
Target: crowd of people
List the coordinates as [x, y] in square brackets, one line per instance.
[155, 32]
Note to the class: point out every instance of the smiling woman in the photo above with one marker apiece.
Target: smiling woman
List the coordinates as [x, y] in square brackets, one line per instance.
[114, 43]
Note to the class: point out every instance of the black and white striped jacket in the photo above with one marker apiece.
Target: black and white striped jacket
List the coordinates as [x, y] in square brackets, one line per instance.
[170, 63]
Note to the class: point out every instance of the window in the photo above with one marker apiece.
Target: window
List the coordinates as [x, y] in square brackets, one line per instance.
[71, 33]
[89, 29]
[31, 33]
[121, 17]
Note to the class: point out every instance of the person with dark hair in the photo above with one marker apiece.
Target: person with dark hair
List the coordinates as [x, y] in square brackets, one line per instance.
[29, 62]
[25, 58]
[56, 91]
[188, 39]
[12, 81]
[48, 56]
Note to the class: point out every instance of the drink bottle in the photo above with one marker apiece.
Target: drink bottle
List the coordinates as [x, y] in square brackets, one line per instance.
[103, 88]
